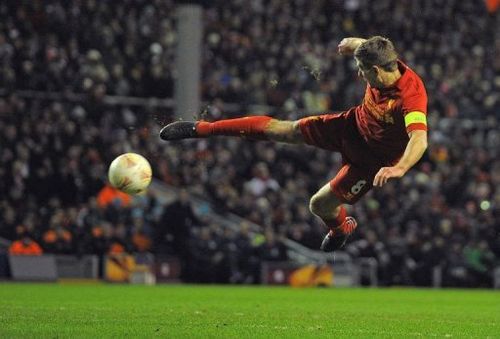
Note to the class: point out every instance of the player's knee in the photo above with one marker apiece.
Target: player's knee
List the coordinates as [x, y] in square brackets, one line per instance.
[282, 130]
[296, 132]
[324, 206]
[317, 206]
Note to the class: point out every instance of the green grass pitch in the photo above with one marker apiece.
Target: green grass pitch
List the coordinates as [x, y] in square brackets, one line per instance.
[189, 311]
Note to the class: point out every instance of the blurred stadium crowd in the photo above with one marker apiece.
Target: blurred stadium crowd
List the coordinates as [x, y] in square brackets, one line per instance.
[54, 153]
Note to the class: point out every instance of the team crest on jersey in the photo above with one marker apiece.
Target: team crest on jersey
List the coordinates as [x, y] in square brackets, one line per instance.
[383, 111]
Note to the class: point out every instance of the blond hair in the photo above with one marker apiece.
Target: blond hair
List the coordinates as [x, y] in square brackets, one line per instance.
[377, 51]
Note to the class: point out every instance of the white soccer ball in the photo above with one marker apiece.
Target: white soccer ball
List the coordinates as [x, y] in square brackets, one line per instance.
[130, 173]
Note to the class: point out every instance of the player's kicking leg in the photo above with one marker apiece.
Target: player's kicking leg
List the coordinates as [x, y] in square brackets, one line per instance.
[253, 127]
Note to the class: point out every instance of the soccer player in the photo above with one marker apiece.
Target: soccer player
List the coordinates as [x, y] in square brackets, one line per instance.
[380, 139]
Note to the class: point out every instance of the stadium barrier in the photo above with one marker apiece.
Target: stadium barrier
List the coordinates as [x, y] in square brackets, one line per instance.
[167, 269]
[277, 273]
[142, 268]
[33, 268]
[73, 267]
[437, 276]
[366, 272]
[147, 269]
[496, 277]
[344, 273]
[125, 268]
[49, 267]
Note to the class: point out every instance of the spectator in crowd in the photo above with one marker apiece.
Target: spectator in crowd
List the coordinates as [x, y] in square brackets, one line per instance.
[246, 256]
[261, 181]
[480, 261]
[175, 226]
[455, 271]
[207, 262]
[140, 239]
[58, 240]
[110, 195]
[25, 246]
[273, 248]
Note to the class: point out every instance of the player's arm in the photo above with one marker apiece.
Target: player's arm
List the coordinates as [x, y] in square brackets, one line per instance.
[348, 45]
[412, 154]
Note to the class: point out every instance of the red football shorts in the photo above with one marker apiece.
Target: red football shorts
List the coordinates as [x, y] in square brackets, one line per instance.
[338, 133]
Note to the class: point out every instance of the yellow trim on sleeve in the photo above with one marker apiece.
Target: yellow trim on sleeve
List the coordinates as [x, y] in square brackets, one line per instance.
[415, 117]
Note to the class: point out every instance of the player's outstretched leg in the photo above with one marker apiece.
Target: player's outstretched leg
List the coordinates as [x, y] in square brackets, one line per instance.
[253, 127]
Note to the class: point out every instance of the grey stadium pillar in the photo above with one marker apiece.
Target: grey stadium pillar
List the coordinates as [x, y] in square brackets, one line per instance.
[188, 60]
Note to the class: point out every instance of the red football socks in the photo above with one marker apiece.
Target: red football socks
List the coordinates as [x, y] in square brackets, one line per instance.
[252, 127]
[339, 219]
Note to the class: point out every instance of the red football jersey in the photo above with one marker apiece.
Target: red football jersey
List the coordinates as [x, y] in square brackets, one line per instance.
[381, 117]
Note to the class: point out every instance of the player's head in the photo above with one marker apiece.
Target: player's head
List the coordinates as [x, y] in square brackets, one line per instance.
[375, 58]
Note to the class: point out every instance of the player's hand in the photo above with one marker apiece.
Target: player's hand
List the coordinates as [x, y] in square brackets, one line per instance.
[386, 173]
[348, 45]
